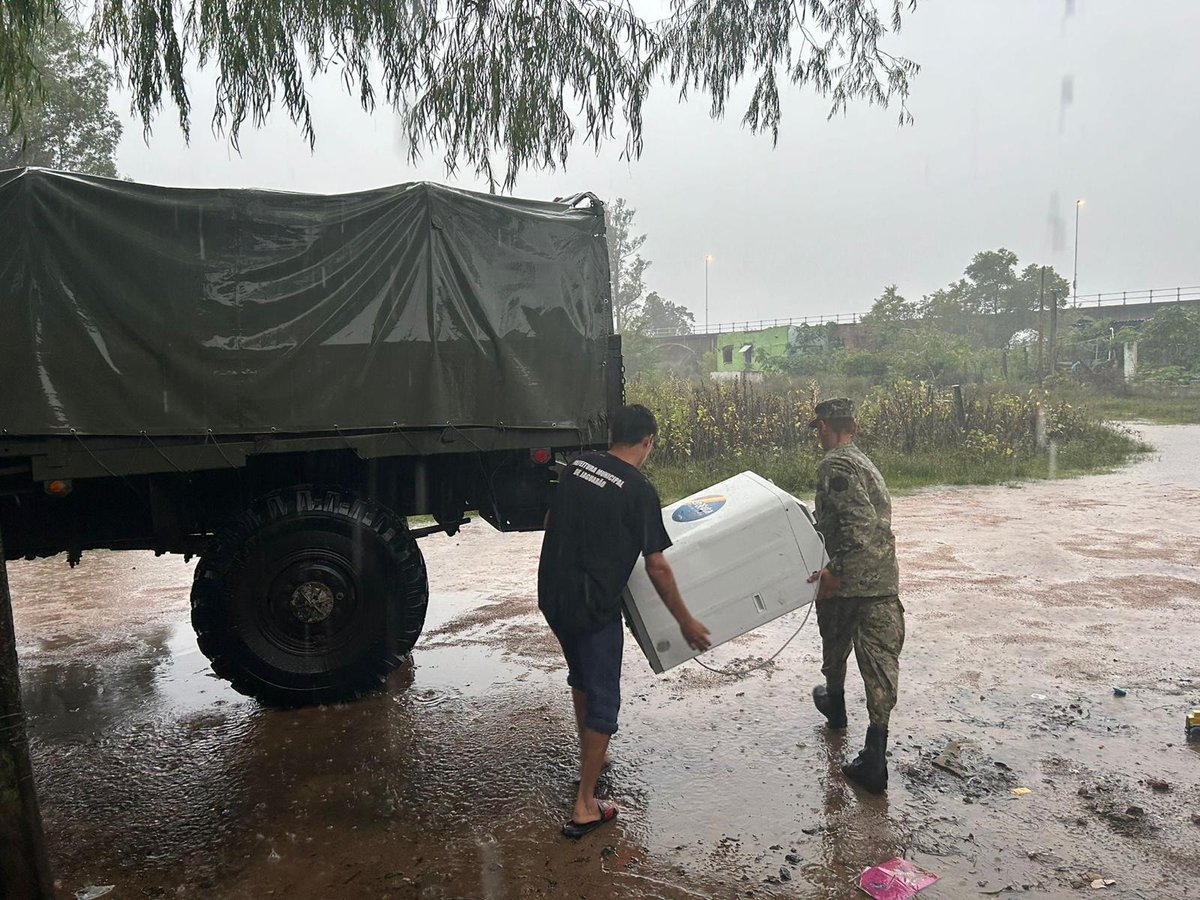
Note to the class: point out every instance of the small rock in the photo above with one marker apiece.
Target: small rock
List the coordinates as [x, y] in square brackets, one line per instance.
[1135, 812]
[784, 874]
[1157, 784]
[777, 846]
[1119, 692]
[1196, 818]
[792, 859]
[1098, 884]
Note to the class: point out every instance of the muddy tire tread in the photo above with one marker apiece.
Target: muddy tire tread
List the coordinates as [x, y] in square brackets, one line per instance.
[405, 615]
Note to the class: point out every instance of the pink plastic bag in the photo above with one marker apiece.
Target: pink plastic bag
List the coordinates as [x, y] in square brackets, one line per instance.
[896, 879]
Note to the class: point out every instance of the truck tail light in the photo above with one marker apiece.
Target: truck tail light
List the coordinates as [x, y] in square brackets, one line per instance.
[60, 487]
[541, 455]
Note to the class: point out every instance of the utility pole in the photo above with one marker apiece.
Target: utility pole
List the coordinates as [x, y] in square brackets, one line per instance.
[1053, 333]
[1075, 272]
[707, 260]
[24, 864]
[1041, 324]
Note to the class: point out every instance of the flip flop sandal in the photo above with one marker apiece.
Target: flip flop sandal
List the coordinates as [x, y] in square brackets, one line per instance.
[576, 830]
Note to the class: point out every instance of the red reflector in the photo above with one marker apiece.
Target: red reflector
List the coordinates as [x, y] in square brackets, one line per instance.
[58, 487]
[540, 455]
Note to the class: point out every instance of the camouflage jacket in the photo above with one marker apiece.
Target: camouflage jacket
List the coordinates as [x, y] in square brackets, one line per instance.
[854, 515]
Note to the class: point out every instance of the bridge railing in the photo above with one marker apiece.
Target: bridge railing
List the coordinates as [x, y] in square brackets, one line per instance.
[1127, 298]
[760, 324]
[1082, 301]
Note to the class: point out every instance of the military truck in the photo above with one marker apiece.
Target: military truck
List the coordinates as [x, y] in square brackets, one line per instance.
[280, 383]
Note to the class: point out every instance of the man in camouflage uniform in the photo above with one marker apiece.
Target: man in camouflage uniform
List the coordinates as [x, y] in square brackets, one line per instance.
[858, 603]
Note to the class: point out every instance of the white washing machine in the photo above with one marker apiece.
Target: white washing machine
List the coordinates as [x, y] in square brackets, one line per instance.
[743, 551]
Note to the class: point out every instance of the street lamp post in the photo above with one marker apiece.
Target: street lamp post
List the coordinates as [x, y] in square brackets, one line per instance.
[707, 259]
[1075, 272]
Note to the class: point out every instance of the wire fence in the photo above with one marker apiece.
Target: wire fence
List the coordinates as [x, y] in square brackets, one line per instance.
[1082, 301]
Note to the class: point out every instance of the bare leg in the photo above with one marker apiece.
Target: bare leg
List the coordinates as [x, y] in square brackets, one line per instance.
[579, 698]
[593, 745]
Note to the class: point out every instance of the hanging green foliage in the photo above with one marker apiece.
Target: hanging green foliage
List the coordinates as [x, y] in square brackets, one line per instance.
[496, 85]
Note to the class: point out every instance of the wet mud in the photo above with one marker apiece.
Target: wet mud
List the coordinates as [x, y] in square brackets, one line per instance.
[1027, 605]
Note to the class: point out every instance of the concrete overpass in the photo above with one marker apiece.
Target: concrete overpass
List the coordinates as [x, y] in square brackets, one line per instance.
[1130, 307]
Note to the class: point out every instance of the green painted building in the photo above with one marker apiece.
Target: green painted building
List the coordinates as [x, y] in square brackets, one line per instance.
[742, 351]
[745, 351]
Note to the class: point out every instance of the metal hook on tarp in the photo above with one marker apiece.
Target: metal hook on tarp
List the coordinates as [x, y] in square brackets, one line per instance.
[212, 437]
[349, 446]
[159, 451]
[111, 474]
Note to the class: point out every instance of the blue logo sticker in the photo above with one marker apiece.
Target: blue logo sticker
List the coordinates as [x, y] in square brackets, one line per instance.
[698, 509]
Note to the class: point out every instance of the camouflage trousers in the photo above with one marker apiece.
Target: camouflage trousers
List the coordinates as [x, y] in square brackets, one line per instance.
[874, 628]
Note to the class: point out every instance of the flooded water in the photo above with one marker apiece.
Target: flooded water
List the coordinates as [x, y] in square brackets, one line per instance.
[1026, 606]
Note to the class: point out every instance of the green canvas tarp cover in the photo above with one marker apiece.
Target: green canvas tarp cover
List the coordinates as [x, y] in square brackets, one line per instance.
[127, 308]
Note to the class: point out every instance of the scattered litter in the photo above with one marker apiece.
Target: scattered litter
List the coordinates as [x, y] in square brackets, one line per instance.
[1038, 696]
[1157, 784]
[896, 879]
[1191, 725]
[950, 760]
[1021, 791]
[1119, 692]
[1100, 884]
[969, 772]
[93, 892]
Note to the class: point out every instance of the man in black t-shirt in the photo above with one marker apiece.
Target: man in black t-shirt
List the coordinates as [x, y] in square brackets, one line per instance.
[605, 515]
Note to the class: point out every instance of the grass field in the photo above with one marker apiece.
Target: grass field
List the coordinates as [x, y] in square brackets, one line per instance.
[911, 430]
[795, 471]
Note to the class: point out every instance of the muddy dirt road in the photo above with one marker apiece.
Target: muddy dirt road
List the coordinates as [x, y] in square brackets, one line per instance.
[1026, 604]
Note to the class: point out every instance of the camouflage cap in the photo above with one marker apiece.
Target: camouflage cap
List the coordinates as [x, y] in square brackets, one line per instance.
[837, 408]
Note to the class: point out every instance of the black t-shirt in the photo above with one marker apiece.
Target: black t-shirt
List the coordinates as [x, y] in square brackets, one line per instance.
[605, 514]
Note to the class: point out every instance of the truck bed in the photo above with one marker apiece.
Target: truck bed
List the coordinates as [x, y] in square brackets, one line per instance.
[186, 328]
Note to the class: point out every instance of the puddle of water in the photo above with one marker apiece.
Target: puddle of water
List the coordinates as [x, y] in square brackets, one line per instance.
[445, 606]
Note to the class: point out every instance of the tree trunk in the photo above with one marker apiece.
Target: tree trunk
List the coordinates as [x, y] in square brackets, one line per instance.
[24, 865]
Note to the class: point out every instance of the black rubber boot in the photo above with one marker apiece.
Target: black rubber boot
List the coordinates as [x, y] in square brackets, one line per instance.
[832, 705]
[869, 769]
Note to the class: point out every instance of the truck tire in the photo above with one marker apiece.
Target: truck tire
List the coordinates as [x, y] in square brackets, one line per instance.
[312, 595]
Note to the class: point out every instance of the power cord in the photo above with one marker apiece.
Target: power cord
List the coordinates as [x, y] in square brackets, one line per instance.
[746, 670]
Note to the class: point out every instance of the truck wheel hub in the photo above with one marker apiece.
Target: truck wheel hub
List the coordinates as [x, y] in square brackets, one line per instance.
[312, 602]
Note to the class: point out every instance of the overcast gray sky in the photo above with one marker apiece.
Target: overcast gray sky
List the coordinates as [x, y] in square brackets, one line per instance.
[820, 223]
